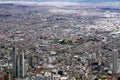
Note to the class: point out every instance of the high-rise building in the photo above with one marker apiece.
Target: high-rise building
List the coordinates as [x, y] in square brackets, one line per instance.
[115, 61]
[13, 57]
[18, 64]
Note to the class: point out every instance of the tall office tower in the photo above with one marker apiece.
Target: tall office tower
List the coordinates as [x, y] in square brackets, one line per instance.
[115, 61]
[21, 66]
[18, 64]
[14, 61]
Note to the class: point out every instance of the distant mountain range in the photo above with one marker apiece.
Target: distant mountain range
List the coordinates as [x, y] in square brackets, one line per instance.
[66, 0]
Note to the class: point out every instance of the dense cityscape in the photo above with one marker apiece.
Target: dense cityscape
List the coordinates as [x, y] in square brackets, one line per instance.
[59, 41]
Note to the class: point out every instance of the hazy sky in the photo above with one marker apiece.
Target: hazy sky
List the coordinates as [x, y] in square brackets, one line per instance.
[65, 0]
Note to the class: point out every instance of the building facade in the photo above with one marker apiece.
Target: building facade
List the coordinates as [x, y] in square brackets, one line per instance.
[18, 64]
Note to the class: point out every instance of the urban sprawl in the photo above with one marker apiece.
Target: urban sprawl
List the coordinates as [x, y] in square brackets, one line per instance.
[59, 41]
